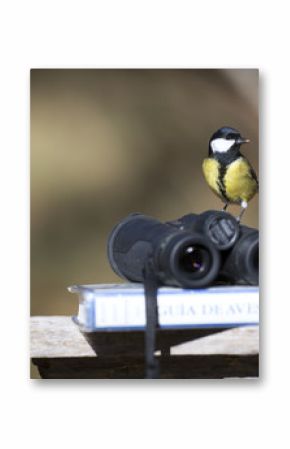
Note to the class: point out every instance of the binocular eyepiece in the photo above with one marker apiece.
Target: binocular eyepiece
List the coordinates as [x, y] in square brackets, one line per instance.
[192, 252]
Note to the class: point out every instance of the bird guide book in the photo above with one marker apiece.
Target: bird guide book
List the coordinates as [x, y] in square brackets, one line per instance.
[122, 307]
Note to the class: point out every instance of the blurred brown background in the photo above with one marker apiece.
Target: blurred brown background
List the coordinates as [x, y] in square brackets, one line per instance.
[105, 143]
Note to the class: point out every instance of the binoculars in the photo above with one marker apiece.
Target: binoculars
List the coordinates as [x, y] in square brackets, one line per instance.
[194, 251]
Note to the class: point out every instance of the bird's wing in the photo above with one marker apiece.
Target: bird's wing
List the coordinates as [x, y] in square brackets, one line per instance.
[252, 173]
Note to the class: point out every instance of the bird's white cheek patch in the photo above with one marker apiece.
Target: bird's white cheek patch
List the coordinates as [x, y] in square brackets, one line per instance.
[221, 145]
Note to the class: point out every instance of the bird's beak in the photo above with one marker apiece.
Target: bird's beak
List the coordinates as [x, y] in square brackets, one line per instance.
[241, 140]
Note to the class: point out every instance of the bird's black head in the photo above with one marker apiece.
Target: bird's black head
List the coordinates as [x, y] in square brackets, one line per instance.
[225, 143]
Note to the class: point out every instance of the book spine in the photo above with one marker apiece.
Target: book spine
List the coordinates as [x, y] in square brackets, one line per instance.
[175, 310]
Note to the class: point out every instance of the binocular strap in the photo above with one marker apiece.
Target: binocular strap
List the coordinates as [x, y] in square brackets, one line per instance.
[151, 291]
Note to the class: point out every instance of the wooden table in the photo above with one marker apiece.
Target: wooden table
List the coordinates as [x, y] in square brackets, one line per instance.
[61, 351]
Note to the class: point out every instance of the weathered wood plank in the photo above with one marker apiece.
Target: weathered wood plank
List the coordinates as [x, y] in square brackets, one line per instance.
[58, 336]
[60, 351]
[238, 341]
[173, 367]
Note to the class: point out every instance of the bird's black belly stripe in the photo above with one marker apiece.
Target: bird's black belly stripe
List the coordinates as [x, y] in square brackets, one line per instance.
[221, 181]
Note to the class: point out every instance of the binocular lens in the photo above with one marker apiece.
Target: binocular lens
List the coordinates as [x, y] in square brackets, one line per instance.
[192, 259]
[241, 264]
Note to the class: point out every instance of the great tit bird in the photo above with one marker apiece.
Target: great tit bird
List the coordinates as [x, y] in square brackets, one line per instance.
[227, 172]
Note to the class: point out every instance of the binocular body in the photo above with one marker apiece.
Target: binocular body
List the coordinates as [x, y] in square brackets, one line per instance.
[192, 252]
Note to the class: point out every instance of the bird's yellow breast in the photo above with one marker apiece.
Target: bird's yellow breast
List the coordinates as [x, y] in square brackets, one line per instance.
[210, 168]
[239, 182]
[233, 183]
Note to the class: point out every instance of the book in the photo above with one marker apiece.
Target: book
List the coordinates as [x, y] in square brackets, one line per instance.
[122, 307]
